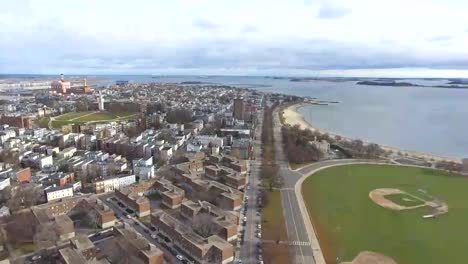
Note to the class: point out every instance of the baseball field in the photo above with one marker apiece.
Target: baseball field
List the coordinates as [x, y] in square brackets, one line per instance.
[348, 221]
[88, 117]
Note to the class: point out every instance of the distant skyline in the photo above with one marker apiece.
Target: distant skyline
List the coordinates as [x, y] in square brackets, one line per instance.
[346, 38]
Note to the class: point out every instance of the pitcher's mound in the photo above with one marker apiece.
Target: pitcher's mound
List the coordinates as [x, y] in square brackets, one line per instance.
[369, 257]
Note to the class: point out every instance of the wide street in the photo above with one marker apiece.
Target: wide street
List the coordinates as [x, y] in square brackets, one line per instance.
[249, 250]
[301, 249]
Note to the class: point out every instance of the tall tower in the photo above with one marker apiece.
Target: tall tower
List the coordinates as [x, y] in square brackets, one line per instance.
[101, 101]
[62, 78]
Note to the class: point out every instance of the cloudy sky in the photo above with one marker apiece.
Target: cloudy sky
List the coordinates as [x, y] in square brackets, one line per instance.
[236, 37]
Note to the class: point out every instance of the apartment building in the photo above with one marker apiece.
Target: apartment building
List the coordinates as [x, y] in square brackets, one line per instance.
[110, 184]
[212, 249]
[226, 221]
[136, 246]
[58, 192]
[138, 203]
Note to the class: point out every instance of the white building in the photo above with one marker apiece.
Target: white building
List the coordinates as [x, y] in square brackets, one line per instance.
[101, 101]
[4, 182]
[67, 153]
[322, 145]
[45, 161]
[194, 147]
[4, 211]
[165, 153]
[113, 183]
[143, 168]
[214, 140]
[58, 192]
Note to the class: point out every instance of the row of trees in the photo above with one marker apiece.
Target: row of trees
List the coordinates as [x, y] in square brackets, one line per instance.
[270, 170]
[297, 145]
[179, 116]
[299, 150]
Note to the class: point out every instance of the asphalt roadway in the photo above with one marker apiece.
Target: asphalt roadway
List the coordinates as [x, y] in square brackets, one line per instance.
[249, 251]
[299, 244]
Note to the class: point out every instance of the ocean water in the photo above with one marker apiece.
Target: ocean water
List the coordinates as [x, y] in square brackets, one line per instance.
[432, 120]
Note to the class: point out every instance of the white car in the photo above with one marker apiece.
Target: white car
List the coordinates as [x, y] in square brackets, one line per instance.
[259, 226]
[180, 257]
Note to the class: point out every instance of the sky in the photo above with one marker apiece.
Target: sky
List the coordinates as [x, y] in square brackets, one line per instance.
[398, 38]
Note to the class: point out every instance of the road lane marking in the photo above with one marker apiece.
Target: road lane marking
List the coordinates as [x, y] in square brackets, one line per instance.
[295, 227]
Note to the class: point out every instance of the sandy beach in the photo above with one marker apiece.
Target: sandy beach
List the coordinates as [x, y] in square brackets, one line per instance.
[293, 117]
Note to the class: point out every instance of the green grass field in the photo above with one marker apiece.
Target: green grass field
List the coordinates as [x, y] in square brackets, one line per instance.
[84, 117]
[404, 199]
[348, 222]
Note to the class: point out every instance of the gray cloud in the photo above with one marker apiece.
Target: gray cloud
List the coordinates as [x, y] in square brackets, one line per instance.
[441, 38]
[204, 24]
[82, 53]
[329, 12]
[249, 29]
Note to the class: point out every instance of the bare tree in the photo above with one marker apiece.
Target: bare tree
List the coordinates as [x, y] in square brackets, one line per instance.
[5, 194]
[179, 116]
[203, 225]
[20, 229]
[46, 236]
[24, 196]
[93, 219]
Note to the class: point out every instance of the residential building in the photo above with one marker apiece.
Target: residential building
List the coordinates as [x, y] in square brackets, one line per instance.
[58, 192]
[212, 249]
[110, 184]
[136, 246]
[138, 203]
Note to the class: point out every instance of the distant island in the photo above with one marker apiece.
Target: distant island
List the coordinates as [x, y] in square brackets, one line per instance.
[386, 83]
[451, 85]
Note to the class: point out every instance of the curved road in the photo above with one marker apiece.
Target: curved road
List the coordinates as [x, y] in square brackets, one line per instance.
[304, 246]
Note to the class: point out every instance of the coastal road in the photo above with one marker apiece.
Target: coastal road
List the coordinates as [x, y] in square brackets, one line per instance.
[304, 246]
[299, 244]
[248, 251]
[299, 232]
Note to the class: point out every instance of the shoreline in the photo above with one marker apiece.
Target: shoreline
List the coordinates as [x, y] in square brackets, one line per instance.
[293, 117]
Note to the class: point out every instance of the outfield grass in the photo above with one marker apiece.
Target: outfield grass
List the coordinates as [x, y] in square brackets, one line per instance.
[273, 228]
[404, 199]
[348, 222]
[273, 219]
[69, 116]
[99, 116]
[83, 117]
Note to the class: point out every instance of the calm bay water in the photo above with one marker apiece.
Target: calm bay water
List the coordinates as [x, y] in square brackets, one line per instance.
[432, 120]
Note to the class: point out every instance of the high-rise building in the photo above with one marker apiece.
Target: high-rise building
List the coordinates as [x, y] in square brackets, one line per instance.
[239, 108]
[101, 101]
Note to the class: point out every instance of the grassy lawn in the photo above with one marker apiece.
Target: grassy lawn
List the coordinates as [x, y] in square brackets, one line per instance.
[404, 199]
[348, 222]
[96, 117]
[83, 117]
[272, 219]
[273, 228]
[43, 122]
[69, 116]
